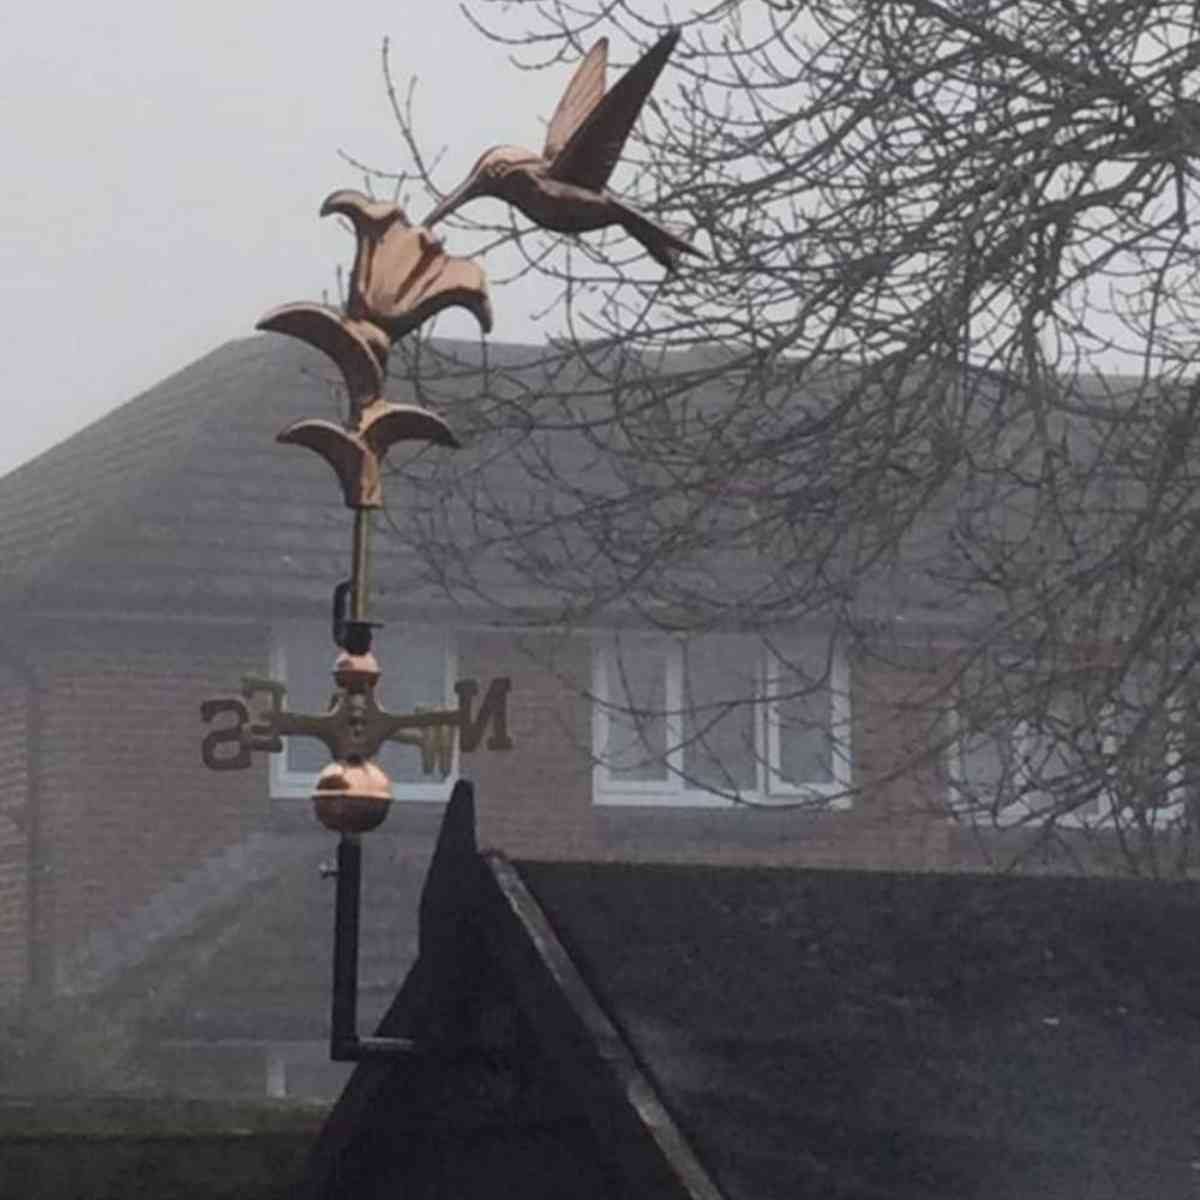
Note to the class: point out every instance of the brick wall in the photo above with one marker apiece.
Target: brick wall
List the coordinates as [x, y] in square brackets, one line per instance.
[536, 800]
[127, 807]
[128, 815]
[893, 821]
[898, 769]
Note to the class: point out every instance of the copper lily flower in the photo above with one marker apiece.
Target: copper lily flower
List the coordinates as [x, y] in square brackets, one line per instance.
[401, 277]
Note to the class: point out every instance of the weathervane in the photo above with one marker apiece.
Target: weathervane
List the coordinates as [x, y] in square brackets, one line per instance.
[401, 277]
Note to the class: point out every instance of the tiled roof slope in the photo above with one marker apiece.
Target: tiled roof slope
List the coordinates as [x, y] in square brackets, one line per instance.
[183, 498]
[844, 1034]
[54, 503]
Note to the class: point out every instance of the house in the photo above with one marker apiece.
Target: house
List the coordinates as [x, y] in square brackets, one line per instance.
[155, 558]
[743, 1033]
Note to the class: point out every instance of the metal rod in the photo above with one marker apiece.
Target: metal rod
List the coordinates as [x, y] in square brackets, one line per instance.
[360, 570]
[345, 943]
[365, 1049]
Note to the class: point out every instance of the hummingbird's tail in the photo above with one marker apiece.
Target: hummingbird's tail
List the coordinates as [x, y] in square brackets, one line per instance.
[661, 244]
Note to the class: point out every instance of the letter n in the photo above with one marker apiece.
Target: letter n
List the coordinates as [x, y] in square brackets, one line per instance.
[493, 710]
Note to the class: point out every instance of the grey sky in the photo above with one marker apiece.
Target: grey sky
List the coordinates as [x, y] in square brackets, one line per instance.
[163, 168]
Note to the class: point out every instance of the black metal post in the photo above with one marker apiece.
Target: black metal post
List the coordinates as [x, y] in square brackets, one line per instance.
[345, 942]
[344, 1043]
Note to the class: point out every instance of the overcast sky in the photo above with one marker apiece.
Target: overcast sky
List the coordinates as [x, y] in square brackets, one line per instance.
[164, 162]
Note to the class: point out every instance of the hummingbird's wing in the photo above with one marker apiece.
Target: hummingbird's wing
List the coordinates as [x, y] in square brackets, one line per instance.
[592, 151]
[583, 93]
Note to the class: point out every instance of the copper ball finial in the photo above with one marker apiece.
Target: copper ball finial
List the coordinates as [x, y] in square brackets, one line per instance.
[352, 797]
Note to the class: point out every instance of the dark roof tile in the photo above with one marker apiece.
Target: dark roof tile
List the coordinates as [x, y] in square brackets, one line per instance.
[866, 1034]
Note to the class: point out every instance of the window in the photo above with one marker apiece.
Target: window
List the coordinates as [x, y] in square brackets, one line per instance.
[417, 672]
[715, 719]
[1144, 731]
[1084, 762]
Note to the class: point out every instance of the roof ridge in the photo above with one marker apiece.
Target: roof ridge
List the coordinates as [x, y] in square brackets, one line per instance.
[610, 1076]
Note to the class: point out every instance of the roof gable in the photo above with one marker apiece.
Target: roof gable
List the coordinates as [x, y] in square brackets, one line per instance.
[761, 1033]
[515, 1047]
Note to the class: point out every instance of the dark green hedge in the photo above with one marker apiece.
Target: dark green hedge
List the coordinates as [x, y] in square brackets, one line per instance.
[99, 1149]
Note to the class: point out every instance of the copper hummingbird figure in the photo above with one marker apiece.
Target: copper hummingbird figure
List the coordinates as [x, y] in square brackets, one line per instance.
[563, 188]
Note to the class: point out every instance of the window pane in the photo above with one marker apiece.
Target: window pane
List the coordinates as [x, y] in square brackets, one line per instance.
[803, 712]
[1055, 752]
[1064, 758]
[414, 675]
[636, 745]
[985, 763]
[721, 697]
[988, 779]
[307, 670]
[1147, 744]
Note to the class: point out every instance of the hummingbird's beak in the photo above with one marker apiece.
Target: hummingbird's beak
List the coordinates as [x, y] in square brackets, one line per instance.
[464, 192]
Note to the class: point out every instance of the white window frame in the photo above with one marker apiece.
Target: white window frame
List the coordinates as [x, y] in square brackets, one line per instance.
[675, 788]
[288, 784]
[1033, 805]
